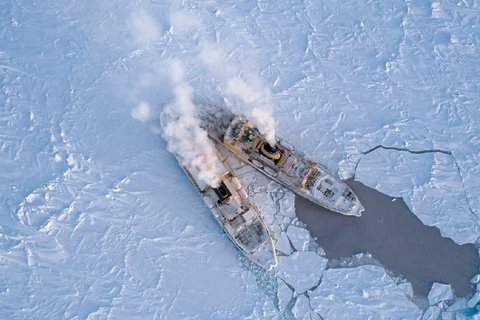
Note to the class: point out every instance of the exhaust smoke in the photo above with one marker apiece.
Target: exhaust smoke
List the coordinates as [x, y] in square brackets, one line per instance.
[184, 135]
[257, 101]
[254, 98]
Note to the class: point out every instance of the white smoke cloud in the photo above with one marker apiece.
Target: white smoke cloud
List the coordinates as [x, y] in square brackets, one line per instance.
[215, 58]
[183, 133]
[250, 92]
[253, 98]
[259, 109]
[142, 112]
[263, 118]
[144, 27]
[144, 31]
[184, 23]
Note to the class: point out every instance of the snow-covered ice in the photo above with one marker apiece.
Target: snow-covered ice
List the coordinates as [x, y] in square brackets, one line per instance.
[440, 292]
[98, 221]
[407, 288]
[431, 185]
[302, 270]
[284, 294]
[433, 312]
[299, 237]
[365, 292]
[303, 310]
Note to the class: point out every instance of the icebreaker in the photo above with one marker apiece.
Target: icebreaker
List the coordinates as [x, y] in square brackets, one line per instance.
[281, 162]
[235, 212]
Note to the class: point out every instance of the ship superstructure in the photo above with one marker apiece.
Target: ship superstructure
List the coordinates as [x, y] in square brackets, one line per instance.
[239, 217]
[282, 162]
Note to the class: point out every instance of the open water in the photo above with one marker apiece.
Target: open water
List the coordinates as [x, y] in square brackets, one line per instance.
[394, 236]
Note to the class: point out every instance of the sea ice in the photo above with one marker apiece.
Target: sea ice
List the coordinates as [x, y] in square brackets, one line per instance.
[430, 185]
[302, 309]
[440, 292]
[407, 288]
[432, 313]
[302, 270]
[284, 294]
[361, 293]
[300, 237]
[99, 220]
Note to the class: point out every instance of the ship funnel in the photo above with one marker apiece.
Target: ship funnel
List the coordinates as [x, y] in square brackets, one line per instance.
[270, 152]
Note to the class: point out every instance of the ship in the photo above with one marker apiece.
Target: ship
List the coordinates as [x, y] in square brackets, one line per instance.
[238, 216]
[282, 162]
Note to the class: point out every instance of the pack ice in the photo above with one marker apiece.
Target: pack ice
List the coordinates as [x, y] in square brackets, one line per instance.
[99, 222]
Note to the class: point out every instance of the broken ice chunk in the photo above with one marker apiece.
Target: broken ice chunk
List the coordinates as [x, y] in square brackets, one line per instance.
[284, 294]
[302, 309]
[299, 237]
[440, 292]
[301, 270]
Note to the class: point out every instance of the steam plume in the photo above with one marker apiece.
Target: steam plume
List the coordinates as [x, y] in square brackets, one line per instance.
[259, 109]
[252, 94]
[142, 112]
[254, 99]
[144, 27]
[184, 135]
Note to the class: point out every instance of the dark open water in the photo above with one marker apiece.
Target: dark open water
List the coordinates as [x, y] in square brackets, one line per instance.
[395, 237]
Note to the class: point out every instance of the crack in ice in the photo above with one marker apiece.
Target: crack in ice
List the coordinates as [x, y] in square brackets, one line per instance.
[449, 153]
